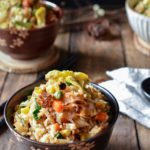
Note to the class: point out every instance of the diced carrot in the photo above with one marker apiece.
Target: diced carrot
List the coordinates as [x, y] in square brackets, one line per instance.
[58, 106]
[25, 3]
[57, 127]
[101, 116]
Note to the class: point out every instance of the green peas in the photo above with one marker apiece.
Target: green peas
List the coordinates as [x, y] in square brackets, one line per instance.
[58, 95]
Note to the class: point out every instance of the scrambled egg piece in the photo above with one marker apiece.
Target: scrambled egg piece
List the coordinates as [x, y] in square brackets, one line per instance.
[77, 79]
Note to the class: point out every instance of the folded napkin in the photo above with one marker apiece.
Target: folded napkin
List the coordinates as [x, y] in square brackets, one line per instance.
[125, 86]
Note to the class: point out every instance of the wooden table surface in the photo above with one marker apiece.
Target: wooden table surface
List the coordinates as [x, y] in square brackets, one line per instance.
[97, 57]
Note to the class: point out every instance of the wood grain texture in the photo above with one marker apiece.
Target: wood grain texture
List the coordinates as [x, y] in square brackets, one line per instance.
[144, 137]
[62, 41]
[134, 58]
[3, 76]
[11, 65]
[124, 136]
[2, 79]
[13, 83]
[62, 45]
[97, 56]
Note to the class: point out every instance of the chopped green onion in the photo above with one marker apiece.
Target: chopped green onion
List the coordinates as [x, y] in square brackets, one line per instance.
[58, 135]
[58, 95]
[38, 107]
[36, 111]
[68, 83]
[27, 25]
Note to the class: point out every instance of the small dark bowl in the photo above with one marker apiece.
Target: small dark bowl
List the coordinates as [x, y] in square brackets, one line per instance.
[32, 43]
[98, 142]
[145, 86]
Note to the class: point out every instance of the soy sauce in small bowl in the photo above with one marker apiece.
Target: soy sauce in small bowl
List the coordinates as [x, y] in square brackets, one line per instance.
[145, 86]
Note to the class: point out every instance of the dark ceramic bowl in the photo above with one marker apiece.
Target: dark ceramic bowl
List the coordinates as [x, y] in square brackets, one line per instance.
[145, 86]
[98, 142]
[29, 44]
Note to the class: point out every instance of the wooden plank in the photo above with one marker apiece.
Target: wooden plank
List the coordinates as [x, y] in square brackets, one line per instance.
[13, 83]
[2, 79]
[2, 82]
[144, 137]
[97, 58]
[62, 43]
[131, 53]
[123, 137]
[135, 58]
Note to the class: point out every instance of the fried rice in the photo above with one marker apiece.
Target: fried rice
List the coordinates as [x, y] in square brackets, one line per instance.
[63, 110]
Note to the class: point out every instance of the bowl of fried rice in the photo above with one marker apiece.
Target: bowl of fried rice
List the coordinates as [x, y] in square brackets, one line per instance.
[28, 28]
[65, 111]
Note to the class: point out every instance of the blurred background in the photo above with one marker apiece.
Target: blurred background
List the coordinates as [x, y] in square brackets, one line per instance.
[82, 3]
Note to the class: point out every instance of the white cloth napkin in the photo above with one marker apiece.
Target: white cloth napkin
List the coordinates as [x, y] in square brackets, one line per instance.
[125, 86]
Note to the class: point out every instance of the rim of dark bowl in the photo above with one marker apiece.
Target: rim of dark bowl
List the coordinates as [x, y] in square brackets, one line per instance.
[51, 144]
[53, 5]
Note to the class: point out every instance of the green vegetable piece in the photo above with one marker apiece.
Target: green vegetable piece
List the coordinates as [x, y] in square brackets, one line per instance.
[37, 107]
[27, 25]
[58, 95]
[147, 6]
[34, 11]
[19, 4]
[36, 117]
[36, 111]
[58, 135]
[68, 83]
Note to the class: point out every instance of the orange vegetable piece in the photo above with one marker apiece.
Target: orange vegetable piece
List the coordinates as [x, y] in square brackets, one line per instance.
[101, 116]
[58, 106]
[25, 3]
[57, 127]
[40, 103]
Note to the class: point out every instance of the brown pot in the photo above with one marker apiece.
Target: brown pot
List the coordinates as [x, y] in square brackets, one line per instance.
[29, 44]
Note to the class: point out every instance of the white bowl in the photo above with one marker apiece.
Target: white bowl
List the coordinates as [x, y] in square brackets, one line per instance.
[139, 23]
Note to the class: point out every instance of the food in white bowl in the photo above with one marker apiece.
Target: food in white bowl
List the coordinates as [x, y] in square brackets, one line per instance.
[63, 110]
[139, 23]
[143, 7]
